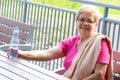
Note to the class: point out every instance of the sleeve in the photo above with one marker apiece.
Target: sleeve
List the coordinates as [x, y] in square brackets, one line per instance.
[64, 45]
[104, 55]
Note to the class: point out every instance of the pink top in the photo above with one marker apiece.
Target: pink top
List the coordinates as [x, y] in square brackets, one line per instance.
[69, 48]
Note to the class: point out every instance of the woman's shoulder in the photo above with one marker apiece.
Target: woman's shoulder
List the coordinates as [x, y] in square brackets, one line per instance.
[73, 38]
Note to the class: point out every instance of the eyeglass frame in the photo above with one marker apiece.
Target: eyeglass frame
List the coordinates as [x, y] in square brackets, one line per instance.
[88, 21]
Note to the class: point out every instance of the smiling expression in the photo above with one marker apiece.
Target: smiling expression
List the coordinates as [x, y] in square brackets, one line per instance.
[87, 20]
[86, 24]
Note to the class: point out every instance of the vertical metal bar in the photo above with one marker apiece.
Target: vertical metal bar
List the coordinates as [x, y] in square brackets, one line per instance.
[46, 30]
[109, 29]
[34, 23]
[48, 24]
[53, 28]
[40, 20]
[42, 35]
[53, 33]
[31, 13]
[27, 14]
[73, 26]
[49, 37]
[0, 5]
[7, 8]
[34, 11]
[19, 11]
[104, 25]
[24, 12]
[62, 14]
[113, 34]
[4, 8]
[57, 25]
[98, 28]
[37, 26]
[69, 23]
[11, 9]
[16, 10]
[33, 19]
[49, 32]
[118, 38]
[64, 26]
[43, 28]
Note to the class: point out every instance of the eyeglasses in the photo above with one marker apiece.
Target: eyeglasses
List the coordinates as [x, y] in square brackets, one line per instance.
[88, 21]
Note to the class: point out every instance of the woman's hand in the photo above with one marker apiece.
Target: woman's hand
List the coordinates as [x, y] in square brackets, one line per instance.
[12, 53]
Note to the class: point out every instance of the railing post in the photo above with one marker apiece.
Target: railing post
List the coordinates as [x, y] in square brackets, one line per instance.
[25, 10]
[104, 25]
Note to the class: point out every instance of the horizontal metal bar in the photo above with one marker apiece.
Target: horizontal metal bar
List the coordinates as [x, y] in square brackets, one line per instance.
[49, 6]
[112, 20]
[109, 5]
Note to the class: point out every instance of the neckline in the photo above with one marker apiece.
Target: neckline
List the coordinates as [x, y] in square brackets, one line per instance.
[77, 43]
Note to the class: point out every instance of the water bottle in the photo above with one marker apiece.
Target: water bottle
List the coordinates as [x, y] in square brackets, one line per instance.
[14, 44]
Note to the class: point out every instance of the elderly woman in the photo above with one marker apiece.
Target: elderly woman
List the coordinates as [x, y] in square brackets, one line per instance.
[88, 55]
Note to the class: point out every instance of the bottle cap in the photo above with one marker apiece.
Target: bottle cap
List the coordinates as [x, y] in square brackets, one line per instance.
[16, 28]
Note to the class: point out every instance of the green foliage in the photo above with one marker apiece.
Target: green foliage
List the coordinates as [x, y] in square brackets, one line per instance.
[71, 4]
[60, 3]
[68, 4]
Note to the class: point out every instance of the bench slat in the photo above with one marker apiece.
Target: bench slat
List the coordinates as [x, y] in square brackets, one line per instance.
[116, 64]
[116, 78]
[13, 23]
[6, 29]
[116, 56]
[5, 38]
[116, 68]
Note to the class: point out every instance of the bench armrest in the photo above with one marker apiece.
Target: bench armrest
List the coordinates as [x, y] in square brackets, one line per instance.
[60, 71]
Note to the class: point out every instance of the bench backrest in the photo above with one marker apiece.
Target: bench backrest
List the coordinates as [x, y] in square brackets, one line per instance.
[6, 30]
[116, 65]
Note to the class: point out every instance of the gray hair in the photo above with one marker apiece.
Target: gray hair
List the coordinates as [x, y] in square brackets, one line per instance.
[89, 9]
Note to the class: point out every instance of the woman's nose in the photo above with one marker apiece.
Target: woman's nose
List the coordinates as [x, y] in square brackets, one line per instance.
[85, 23]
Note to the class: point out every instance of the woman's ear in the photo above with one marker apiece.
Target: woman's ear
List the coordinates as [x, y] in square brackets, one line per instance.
[96, 24]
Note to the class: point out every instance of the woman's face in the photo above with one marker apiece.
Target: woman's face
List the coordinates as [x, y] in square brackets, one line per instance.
[86, 24]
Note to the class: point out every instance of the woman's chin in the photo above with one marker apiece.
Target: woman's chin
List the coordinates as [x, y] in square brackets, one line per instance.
[84, 32]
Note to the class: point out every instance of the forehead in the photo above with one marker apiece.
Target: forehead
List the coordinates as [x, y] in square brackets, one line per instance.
[87, 15]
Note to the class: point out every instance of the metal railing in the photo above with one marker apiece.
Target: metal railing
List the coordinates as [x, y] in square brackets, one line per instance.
[53, 24]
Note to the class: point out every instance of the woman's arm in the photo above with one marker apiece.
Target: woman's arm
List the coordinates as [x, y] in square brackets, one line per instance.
[99, 72]
[42, 55]
[102, 63]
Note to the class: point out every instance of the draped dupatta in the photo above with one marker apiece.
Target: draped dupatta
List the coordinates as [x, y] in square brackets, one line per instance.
[84, 62]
